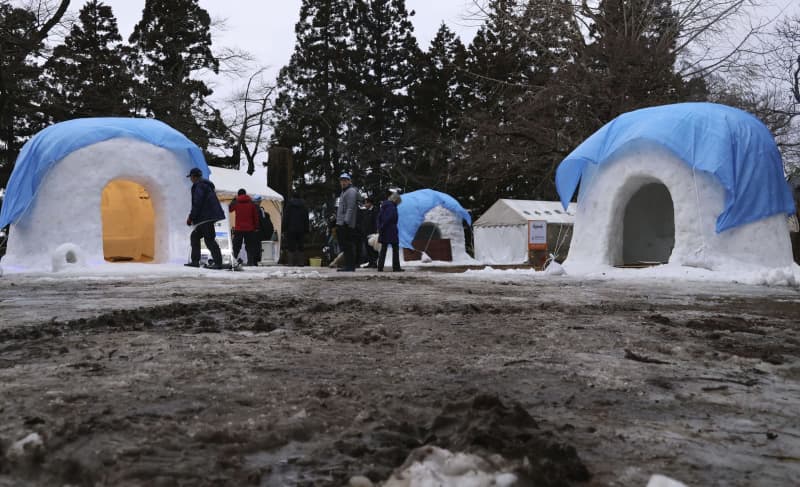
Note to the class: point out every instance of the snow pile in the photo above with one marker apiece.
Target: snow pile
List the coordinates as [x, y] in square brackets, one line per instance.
[27, 447]
[662, 481]
[295, 273]
[66, 207]
[429, 466]
[554, 268]
[784, 276]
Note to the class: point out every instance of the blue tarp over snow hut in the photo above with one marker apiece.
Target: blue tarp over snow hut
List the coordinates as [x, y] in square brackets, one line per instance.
[56, 142]
[412, 210]
[729, 143]
[100, 190]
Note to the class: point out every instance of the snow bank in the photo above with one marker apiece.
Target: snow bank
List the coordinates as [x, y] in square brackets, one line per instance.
[784, 276]
[143, 271]
[440, 467]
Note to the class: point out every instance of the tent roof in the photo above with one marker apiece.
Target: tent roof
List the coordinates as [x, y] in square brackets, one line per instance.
[518, 212]
[231, 180]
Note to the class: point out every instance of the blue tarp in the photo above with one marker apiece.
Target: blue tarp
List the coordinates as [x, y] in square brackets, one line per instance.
[411, 212]
[729, 143]
[54, 143]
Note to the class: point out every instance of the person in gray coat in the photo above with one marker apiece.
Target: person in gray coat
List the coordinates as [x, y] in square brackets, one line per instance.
[346, 214]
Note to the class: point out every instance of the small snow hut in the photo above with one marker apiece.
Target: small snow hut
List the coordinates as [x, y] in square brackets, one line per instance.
[695, 184]
[430, 221]
[501, 233]
[98, 190]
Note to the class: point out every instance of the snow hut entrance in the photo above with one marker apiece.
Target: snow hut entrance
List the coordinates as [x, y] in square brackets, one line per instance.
[128, 222]
[648, 226]
[429, 239]
[428, 231]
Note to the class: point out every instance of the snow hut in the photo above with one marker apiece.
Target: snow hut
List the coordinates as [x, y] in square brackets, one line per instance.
[695, 184]
[501, 233]
[431, 222]
[100, 190]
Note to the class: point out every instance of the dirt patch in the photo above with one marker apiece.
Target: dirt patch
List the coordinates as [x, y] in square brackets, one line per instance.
[312, 382]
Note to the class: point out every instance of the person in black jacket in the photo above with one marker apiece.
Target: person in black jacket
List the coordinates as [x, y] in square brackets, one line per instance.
[265, 226]
[295, 226]
[369, 226]
[205, 211]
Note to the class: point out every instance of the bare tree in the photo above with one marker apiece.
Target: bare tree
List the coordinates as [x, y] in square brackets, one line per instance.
[710, 35]
[52, 17]
[245, 118]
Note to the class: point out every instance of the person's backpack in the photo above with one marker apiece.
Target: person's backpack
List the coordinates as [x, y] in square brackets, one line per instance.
[265, 226]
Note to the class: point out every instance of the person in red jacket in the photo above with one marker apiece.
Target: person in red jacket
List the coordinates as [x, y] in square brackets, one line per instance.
[246, 227]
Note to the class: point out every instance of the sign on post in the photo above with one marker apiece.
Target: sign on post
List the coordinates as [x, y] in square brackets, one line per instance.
[537, 235]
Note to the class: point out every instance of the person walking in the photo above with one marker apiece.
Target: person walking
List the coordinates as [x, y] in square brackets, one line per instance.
[206, 210]
[387, 232]
[295, 226]
[246, 227]
[369, 226]
[346, 215]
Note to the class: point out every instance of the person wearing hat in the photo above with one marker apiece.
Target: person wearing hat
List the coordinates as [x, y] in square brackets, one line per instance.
[295, 226]
[205, 211]
[346, 214]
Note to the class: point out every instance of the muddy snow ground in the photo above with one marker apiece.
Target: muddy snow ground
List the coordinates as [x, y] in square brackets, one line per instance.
[310, 378]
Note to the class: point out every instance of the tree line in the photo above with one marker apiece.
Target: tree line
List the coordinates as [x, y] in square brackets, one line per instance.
[493, 118]
[482, 120]
[93, 72]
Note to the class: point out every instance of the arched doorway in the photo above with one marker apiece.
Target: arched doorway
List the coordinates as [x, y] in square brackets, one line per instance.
[428, 231]
[128, 222]
[648, 226]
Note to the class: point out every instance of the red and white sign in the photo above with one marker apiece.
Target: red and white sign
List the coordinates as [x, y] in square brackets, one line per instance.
[537, 235]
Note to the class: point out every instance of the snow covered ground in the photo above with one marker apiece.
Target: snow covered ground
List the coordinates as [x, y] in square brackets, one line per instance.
[150, 374]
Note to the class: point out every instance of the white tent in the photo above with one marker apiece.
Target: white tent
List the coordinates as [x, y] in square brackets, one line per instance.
[501, 233]
[229, 181]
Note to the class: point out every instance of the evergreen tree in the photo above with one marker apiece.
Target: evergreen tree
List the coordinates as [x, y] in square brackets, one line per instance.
[518, 110]
[313, 103]
[21, 44]
[383, 59]
[438, 102]
[88, 75]
[173, 43]
[631, 57]
[496, 60]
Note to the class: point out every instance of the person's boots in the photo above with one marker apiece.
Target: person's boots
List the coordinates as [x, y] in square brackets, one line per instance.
[300, 258]
[216, 255]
